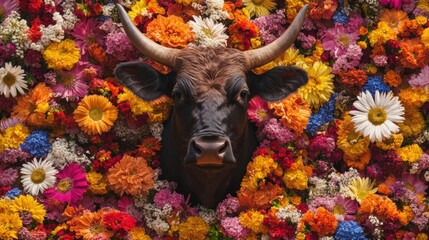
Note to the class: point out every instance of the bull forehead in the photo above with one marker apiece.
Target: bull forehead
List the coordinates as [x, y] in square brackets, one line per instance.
[209, 70]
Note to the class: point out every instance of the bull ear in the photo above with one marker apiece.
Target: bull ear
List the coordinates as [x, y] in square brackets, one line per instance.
[144, 81]
[276, 83]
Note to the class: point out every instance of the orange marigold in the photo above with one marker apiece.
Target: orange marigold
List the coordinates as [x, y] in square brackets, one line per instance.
[353, 78]
[322, 221]
[413, 97]
[241, 34]
[293, 111]
[392, 78]
[170, 31]
[414, 54]
[131, 175]
[261, 198]
[380, 206]
[358, 162]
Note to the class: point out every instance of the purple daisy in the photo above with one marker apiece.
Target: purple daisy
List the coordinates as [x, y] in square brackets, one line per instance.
[345, 209]
[7, 7]
[413, 183]
[71, 85]
[9, 122]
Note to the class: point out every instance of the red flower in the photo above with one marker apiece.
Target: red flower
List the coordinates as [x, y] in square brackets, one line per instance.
[119, 221]
[34, 33]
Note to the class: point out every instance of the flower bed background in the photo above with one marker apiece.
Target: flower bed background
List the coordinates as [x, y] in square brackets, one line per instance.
[346, 157]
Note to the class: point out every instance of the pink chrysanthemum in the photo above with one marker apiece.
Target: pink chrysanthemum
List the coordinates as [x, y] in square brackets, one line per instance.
[336, 40]
[232, 228]
[70, 186]
[70, 85]
[258, 111]
[6, 7]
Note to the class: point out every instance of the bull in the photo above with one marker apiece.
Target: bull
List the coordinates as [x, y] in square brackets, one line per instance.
[208, 140]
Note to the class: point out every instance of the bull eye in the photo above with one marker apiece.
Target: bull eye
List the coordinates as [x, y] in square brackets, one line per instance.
[244, 94]
[177, 95]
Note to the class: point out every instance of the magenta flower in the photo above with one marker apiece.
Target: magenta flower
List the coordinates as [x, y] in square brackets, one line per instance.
[421, 79]
[6, 8]
[258, 111]
[165, 196]
[345, 209]
[393, 3]
[232, 228]
[87, 33]
[70, 186]
[336, 40]
[413, 183]
[70, 85]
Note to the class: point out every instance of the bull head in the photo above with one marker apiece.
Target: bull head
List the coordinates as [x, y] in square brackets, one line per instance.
[208, 141]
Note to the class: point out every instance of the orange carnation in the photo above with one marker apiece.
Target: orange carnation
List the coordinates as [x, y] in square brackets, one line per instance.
[131, 175]
[170, 31]
[293, 111]
[322, 221]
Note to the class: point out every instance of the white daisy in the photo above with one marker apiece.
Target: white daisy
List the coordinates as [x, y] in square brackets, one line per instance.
[12, 80]
[376, 117]
[37, 176]
[208, 33]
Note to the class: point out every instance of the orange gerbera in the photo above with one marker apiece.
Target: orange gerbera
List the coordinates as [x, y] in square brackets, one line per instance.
[395, 19]
[131, 175]
[293, 111]
[32, 107]
[322, 221]
[95, 114]
[90, 225]
[414, 54]
[170, 31]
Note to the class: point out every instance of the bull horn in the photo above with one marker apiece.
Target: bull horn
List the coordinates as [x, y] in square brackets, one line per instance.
[266, 54]
[146, 46]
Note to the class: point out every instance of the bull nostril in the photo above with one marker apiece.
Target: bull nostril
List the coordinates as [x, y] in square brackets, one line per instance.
[197, 148]
[222, 149]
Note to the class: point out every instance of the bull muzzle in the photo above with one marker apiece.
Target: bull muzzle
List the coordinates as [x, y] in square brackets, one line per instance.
[210, 151]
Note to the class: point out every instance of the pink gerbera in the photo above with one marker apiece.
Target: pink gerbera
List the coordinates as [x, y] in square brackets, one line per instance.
[413, 183]
[87, 33]
[344, 209]
[336, 40]
[258, 111]
[70, 85]
[6, 8]
[70, 186]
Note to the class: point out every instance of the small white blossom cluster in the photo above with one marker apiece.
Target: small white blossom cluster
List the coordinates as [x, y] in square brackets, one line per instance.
[64, 152]
[164, 184]
[130, 134]
[212, 9]
[108, 9]
[426, 175]
[327, 238]
[318, 188]
[156, 130]
[208, 215]
[377, 232]
[339, 183]
[155, 218]
[14, 29]
[289, 213]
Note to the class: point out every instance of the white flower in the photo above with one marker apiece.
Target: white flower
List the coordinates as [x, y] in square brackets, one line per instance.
[208, 33]
[376, 117]
[12, 80]
[37, 176]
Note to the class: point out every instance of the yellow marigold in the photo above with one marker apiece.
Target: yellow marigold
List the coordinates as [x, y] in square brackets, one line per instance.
[352, 143]
[381, 34]
[194, 228]
[406, 215]
[392, 78]
[170, 31]
[158, 109]
[253, 220]
[380, 206]
[257, 170]
[410, 153]
[320, 85]
[98, 184]
[10, 224]
[138, 233]
[131, 175]
[13, 136]
[290, 57]
[293, 112]
[422, 20]
[422, 236]
[317, 53]
[296, 177]
[413, 97]
[61, 55]
[413, 124]
[362, 44]
[394, 142]
[293, 7]
[185, 2]
[322, 221]
[27, 204]
[424, 38]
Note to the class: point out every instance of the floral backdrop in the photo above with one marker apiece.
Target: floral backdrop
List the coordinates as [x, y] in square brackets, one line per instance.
[345, 157]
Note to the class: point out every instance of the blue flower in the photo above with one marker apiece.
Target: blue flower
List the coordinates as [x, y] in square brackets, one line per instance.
[349, 230]
[37, 143]
[375, 83]
[13, 193]
[325, 114]
[340, 16]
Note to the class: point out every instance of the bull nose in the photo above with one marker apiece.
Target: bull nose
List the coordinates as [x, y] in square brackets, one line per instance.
[211, 150]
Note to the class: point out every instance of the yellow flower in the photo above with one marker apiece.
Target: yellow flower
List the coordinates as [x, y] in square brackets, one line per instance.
[425, 37]
[406, 215]
[381, 34]
[394, 142]
[10, 224]
[259, 7]
[27, 204]
[13, 136]
[317, 53]
[359, 188]
[138, 233]
[257, 170]
[137, 9]
[296, 177]
[95, 114]
[253, 220]
[410, 153]
[290, 57]
[320, 84]
[413, 97]
[62, 55]
[59, 228]
[194, 228]
[352, 143]
[186, 2]
[362, 44]
[422, 236]
[413, 124]
[98, 184]
[421, 20]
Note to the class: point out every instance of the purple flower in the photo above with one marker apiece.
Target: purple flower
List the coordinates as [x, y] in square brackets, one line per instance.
[422, 79]
[337, 40]
[10, 156]
[70, 85]
[271, 26]
[8, 176]
[274, 130]
[120, 47]
[165, 196]
[87, 33]
[232, 228]
[228, 206]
